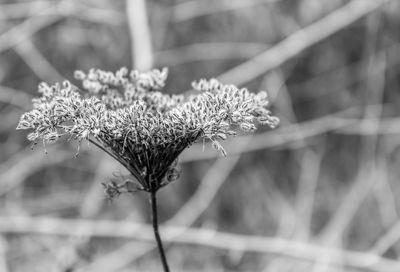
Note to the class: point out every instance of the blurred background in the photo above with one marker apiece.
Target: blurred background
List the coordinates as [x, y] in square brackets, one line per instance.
[320, 193]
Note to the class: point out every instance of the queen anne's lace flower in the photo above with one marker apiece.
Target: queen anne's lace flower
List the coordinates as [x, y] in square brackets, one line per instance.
[126, 115]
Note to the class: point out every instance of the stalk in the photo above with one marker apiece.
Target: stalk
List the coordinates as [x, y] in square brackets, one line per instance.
[153, 201]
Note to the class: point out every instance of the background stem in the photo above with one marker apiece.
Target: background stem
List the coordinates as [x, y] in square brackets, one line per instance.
[153, 201]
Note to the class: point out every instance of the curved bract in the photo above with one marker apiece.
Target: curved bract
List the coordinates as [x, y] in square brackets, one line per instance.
[126, 114]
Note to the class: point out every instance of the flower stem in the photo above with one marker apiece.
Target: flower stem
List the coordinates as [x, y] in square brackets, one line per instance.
[153, 201]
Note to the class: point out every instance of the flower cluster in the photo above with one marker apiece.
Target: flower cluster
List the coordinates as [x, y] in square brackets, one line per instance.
[126, 114]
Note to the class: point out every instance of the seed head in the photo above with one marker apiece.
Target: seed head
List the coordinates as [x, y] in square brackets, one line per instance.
[126, 114]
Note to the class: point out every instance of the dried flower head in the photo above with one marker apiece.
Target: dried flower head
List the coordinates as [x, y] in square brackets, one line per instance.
[126, 114]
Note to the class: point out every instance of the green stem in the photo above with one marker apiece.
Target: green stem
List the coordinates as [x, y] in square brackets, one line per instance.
[153, 201]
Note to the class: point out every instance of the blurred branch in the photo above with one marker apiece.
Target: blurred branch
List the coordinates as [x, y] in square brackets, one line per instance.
[208, 51]
[370, 171]
[37, 62]
[385, 195]
[91, 206]
[18, 168]
[387, 240]
[204, 237]
[334, 231]
[193, 9]
[50, 15]
[23, 9]
[388, 125]
[307, 186]
[300, 40]
[78, 9]
[15, 97]
[292, 225]
[3, 255]
[97, 15]
[375, 93]
[308, 160]
[142, 51]
[54, 203]
[280, 207]
[26, 29]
